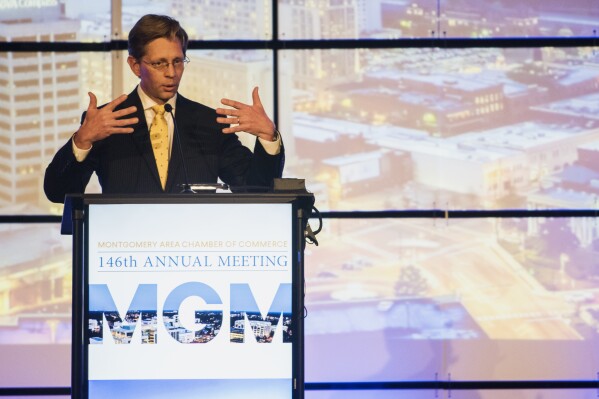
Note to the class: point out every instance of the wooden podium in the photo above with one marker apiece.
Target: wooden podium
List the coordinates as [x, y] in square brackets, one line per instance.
[189, 294]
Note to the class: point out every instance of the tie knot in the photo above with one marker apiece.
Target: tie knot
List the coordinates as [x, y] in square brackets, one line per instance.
[159, 109]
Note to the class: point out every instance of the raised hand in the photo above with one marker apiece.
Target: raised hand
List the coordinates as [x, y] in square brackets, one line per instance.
[247, 118]
[101, 123]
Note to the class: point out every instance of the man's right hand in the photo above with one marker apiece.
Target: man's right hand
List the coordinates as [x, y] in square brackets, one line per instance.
[103, 122]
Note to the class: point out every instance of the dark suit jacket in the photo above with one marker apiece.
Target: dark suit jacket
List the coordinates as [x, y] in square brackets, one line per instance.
[125, 163]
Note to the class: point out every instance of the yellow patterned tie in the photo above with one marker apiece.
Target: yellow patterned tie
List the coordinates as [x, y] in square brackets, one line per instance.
[159, 138]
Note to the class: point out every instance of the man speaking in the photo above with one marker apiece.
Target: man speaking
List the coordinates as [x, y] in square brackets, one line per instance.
[132, 143]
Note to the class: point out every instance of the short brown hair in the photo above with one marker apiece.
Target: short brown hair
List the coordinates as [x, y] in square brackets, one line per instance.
[151, 27]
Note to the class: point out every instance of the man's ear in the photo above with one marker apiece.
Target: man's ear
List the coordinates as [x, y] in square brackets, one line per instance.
[134, 65]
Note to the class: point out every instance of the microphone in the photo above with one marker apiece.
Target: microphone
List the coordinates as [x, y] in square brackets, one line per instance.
[186, 187]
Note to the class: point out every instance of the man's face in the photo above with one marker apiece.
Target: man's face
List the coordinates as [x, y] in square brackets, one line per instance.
[160, 84]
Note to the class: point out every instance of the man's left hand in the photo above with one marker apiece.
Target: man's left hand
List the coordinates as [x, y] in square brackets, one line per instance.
[246, 118]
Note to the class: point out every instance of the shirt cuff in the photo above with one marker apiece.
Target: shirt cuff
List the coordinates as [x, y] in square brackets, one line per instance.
[80, 154]
[272, 147]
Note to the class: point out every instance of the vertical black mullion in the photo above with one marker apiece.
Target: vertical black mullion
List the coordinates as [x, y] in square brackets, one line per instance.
[275, 60]
[78, 262]
[439, 19]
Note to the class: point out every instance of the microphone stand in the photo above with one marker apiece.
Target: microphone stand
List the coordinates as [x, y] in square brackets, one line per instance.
[186, 186]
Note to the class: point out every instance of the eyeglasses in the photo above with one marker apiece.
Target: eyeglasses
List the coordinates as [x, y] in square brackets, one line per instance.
[163, 65]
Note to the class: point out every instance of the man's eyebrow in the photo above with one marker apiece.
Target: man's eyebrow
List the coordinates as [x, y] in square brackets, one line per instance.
[166, 59]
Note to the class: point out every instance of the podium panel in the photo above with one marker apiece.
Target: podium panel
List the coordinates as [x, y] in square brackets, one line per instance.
[186, 297]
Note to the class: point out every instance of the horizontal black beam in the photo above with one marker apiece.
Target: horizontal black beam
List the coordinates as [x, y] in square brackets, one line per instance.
[30, 219]
[38, 391]
[375, 386]
[317, 44]
[456, 214]
[451, 385]
[396, 214]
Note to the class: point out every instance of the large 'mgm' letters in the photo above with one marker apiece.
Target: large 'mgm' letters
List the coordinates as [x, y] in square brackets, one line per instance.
[143, 309]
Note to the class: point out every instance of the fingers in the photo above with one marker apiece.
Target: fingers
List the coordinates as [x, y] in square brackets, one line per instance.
[231, 120]
[116, 102]
[227, 112]
[245, 118]
[121, 130]
[233, 103]
[125, 122]
[93, 101]
[124, 112]
[256, 97]
[113, 120]
[114, 123]
[93, 104]
[228, 120]
[238, 105]
[102, 122]
[232, 129]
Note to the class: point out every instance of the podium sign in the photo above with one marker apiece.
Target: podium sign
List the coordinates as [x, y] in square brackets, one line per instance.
[183, 299]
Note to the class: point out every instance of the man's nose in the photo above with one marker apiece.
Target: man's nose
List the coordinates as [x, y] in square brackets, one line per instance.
[170, 70]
